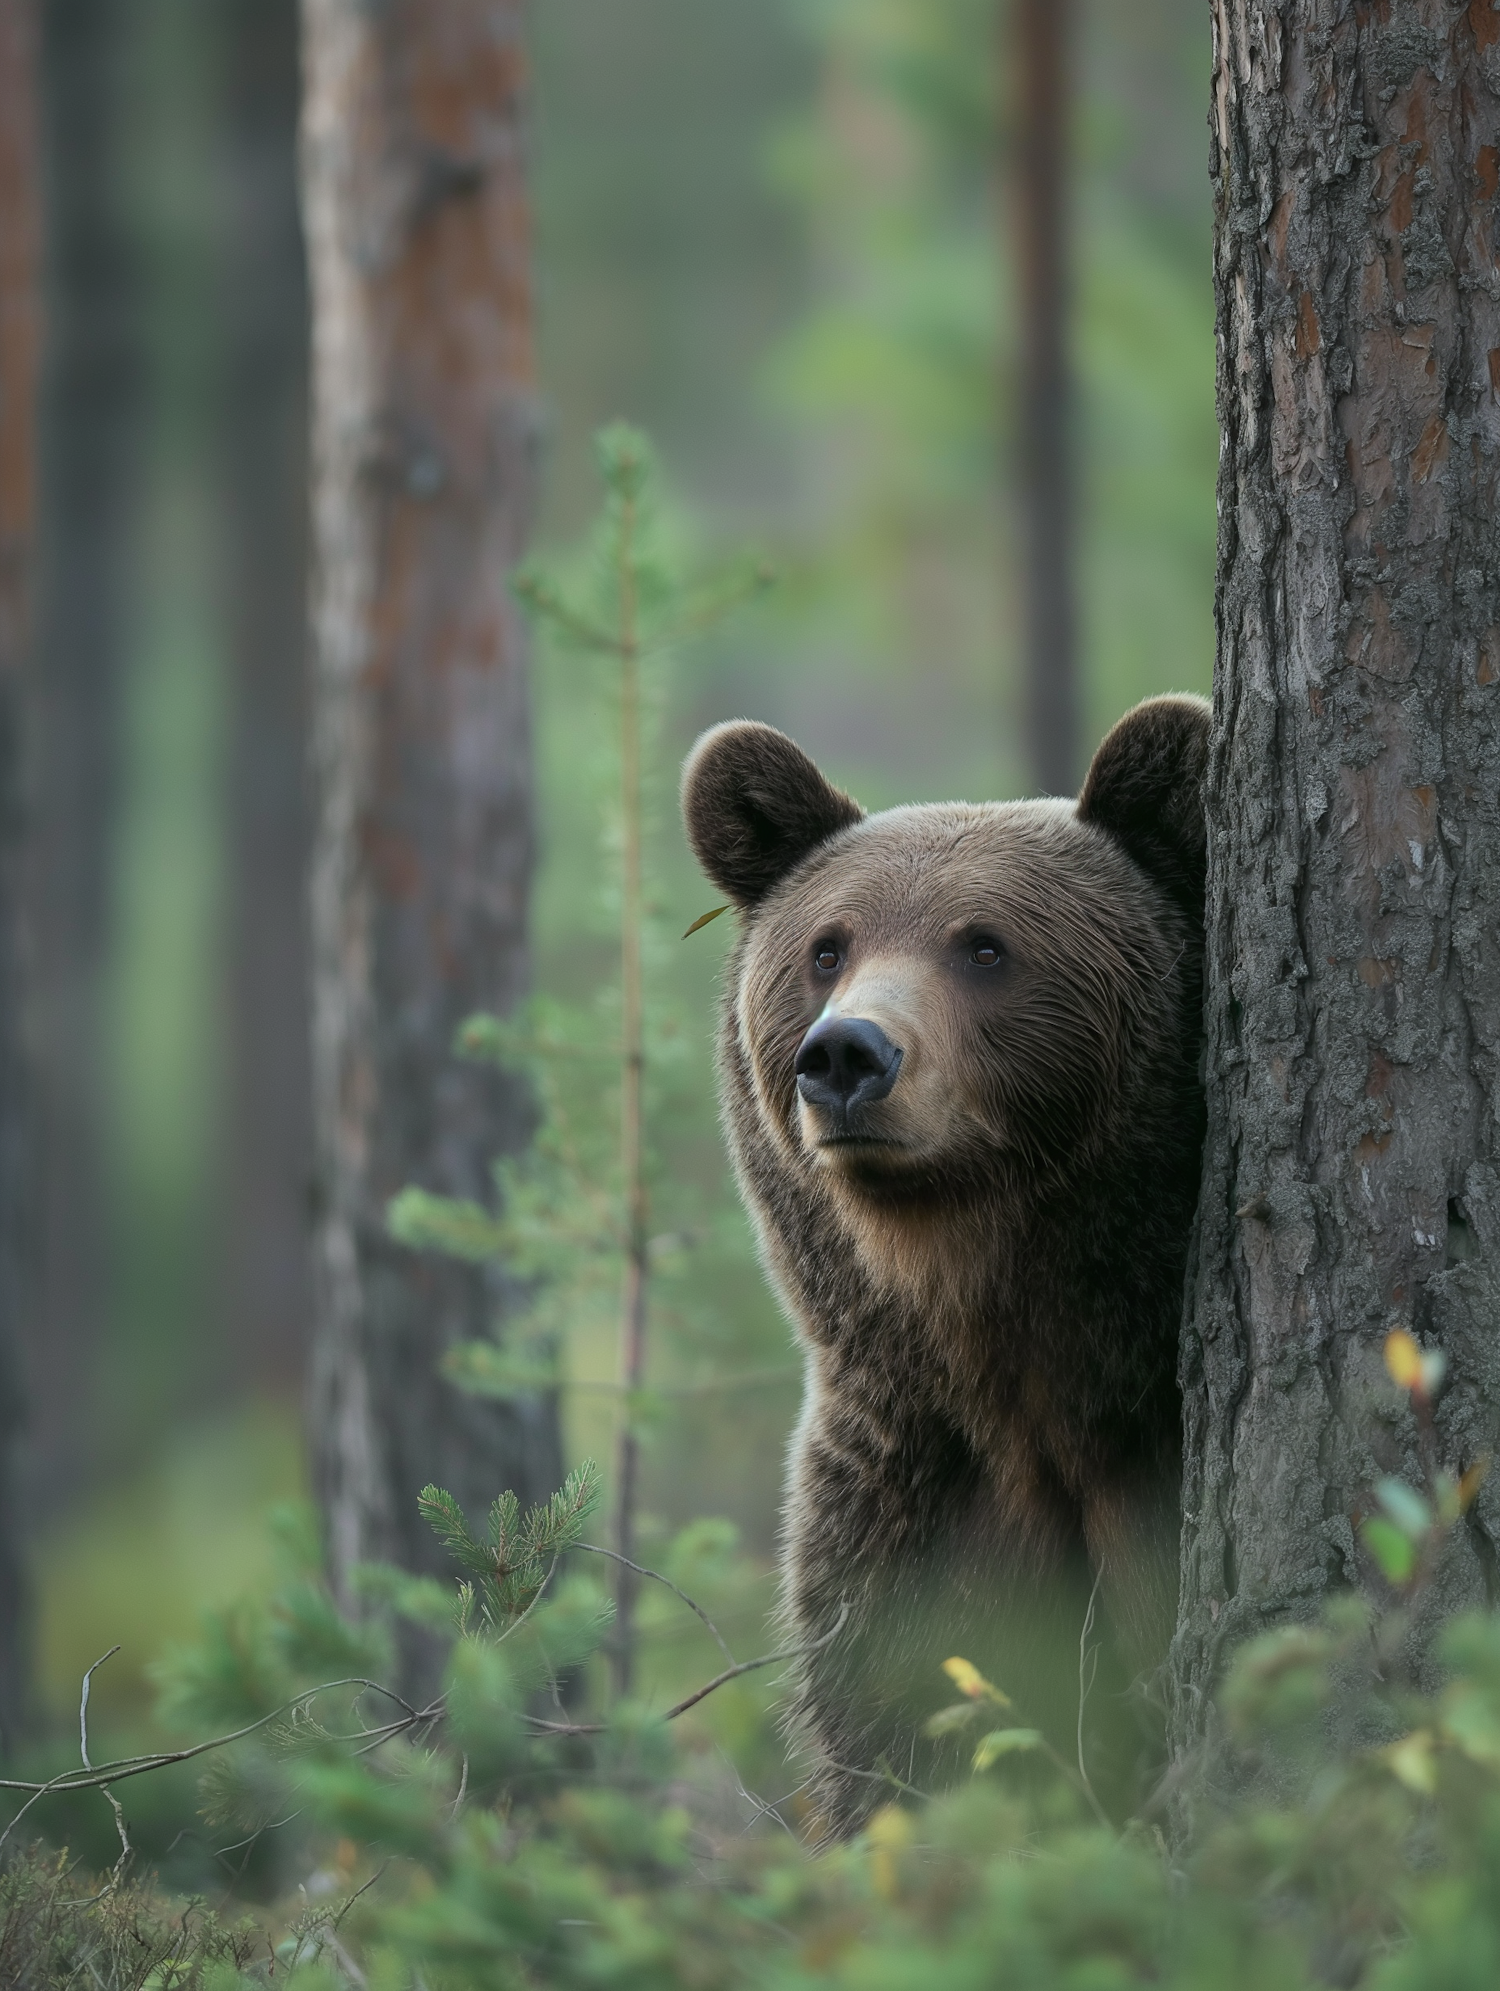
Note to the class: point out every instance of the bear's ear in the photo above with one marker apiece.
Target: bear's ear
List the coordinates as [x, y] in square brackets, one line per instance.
[754, 805]
[1146, 788]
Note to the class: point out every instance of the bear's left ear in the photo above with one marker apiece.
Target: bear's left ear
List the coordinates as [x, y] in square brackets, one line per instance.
[755, 805]
[1146, 788]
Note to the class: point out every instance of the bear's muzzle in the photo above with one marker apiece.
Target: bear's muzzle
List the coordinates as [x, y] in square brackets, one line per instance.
[845, 1063]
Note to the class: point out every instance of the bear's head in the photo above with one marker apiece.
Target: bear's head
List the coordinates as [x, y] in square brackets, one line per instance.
[935, 996]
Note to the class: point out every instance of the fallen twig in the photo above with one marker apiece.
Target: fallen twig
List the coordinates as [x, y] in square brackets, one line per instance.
[139, 1766]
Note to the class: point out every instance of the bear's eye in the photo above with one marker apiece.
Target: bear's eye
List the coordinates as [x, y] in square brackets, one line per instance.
[985, 952]
[826, 957]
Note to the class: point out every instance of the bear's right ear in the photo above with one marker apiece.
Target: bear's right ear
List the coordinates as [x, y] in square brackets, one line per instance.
[754, 805]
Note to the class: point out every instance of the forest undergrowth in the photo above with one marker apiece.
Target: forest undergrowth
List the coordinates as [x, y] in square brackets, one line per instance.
[522, 1830]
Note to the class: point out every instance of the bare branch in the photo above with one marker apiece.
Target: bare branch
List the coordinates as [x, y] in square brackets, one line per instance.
[657, 1577]
[423, 1718]
[545, 601]
[83, 1749]
[884, 1775]
[108, 1774]
[702, 1693]
[138, 1766]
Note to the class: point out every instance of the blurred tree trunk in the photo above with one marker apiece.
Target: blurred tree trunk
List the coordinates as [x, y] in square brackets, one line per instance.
[263, 459]
[1044, 109]
[20, 327]
[91, 396]
[424, 442]
[1351, 1179]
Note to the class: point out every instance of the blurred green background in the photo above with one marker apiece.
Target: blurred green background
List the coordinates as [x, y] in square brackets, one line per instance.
[776, 237]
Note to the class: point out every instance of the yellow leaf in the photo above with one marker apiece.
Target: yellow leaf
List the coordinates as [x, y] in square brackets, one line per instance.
[1411, 1760]
[890, 1827]
[1403, 1360]
[889, 1833]
[969, 1680]
[703, 920]
[1470, 1484]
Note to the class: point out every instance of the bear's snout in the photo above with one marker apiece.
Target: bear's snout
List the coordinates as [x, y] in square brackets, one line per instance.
[844, 1063]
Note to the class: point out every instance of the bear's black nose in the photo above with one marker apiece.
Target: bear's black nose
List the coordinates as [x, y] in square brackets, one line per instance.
[844, 1062]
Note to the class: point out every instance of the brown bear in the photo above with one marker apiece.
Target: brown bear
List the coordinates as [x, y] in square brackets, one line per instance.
[959, 1067]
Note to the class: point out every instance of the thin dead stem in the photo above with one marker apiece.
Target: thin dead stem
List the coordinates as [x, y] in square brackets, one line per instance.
[1088, 1669]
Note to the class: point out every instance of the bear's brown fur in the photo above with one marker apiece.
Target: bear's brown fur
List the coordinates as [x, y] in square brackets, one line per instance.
[984, 1255]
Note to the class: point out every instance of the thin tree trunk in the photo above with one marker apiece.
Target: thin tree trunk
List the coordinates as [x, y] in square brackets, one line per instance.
[1351, 1181]
[632, 1111]
[20, 326]
[1045, 412]
[263, 462]
[424, 443]
[92, 380]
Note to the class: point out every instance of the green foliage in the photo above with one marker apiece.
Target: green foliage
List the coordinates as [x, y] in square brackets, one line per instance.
[594, 1222]
[255, 1655]
[900, 360]
[512, 1564]
[1361, 1875]
[562, 1218]
[1005, 1742]
[906, 369]
[558, 1222]
[1407, 1536]
[1393, 1549]
[445, 1223]
[1350, 1832]
[492, 1838]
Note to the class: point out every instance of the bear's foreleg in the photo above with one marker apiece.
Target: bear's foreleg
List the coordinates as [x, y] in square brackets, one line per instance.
[902, 1551]
[1133, 1526]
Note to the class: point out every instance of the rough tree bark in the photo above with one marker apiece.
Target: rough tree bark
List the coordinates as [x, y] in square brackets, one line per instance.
[1351, 1179]
[20, 326]
[424, 444]
[263, 462]
[1042, 29]
[90, 426]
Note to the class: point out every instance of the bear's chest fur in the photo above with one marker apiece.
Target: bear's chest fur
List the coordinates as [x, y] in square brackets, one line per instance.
[1040, 1319]
[1040, 1334]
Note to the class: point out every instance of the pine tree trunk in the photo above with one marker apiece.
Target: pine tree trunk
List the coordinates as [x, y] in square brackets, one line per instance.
[263, 461]
[1045, 413]
[1351, 1179]
[20, 326]
[424, 444]
[91, 465]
